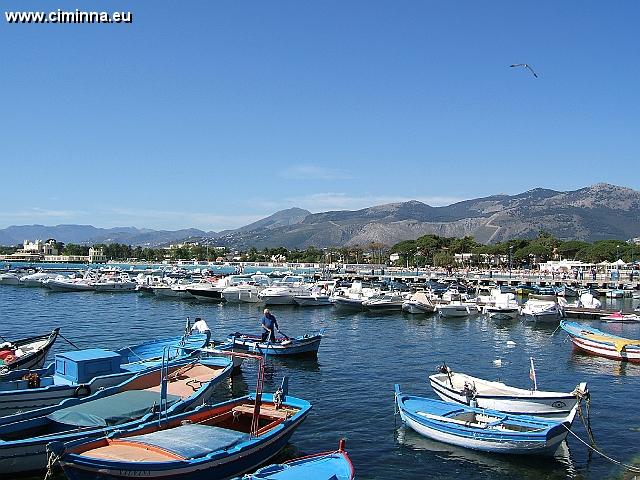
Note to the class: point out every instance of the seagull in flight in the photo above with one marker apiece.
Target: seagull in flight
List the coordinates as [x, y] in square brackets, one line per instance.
[525, 66]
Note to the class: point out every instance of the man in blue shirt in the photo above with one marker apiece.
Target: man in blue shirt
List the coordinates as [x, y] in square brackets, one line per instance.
[269, 325]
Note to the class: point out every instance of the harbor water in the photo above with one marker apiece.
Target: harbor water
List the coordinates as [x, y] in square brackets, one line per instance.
[362, 355]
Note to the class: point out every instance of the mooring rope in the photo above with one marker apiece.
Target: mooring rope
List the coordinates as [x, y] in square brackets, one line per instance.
[630, 468]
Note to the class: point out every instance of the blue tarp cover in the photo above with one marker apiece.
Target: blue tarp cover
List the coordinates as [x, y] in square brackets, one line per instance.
[111, 410]
[191, 440]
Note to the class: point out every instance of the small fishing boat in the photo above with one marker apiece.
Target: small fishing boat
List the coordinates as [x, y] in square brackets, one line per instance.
[218, 441]
[26, 353]
[482, 429]
[603, 344]
[320, 466]
[168, 389]
[461, 388]
[418, 303]
[303, 345]
[619, 317]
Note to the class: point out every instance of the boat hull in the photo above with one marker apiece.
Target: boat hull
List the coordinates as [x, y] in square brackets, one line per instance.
[553, 407]
[297, 346]
[312, 300]
[220, 463]
[34, 359]
[417, 308]
[528, 435]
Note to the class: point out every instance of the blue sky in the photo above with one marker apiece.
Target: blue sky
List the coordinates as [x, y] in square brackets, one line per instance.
[215, 114]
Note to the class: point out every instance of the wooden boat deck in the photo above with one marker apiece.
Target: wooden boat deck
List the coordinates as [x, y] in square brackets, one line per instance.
[185, 383]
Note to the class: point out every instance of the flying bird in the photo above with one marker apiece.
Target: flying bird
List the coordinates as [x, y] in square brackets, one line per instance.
[525, 66]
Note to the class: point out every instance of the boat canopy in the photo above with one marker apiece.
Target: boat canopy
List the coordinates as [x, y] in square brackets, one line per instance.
[112, 410]
[191, 440]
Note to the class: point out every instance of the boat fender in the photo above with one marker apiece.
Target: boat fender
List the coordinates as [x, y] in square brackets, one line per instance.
[82, 391]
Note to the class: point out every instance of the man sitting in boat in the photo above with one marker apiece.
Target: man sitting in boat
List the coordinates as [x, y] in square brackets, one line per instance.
[270, 326]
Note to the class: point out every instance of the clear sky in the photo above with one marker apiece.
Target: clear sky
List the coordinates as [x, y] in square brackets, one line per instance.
[212, 114]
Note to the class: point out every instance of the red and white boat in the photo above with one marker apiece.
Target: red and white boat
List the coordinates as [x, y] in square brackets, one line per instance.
[597, 342]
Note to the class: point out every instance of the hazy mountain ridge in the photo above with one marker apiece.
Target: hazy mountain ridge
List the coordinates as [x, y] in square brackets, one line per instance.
[596, 212]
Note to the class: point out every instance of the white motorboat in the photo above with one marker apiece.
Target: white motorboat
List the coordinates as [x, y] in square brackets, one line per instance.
[175, 290]
[503, 306]
[353, 297]
[61, 284]
[586, 300]
[119, 283]
[10, 278]
[384, 302]
[36, 279]
[319, 296]
[418, 303]
[313, 300]
[284, 291]
[542, 310]
[461, 388]
[246, 291]
[457, 309]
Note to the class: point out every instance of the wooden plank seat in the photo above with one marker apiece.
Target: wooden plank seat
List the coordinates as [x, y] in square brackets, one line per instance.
[266, 410]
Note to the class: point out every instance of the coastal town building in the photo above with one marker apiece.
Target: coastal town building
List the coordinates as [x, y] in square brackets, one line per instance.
[46, 251]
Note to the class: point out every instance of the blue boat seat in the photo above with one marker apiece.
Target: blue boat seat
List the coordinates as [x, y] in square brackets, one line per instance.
[191, 440]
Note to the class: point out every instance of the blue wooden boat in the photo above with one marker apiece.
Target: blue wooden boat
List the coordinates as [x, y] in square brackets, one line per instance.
[218, 441]
[320, 466]
[303, 345]
[79, 373]
[26, 353]
[187, 382]
[482, 429]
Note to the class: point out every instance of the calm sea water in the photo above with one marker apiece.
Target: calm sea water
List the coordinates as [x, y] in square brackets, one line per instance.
[351, 383]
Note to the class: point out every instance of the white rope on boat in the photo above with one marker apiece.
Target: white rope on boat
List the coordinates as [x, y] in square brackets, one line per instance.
[630, 468]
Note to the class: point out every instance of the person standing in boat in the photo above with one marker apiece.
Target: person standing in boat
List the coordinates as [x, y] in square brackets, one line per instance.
[269, 326]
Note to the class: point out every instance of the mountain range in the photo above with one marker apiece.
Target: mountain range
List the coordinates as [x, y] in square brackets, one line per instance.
[598, 212]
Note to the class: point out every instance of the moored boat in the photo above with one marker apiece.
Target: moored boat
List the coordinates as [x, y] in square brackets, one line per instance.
[219, 441]
[320, 466]
[619, 317]
[313, 300]
[78, 373]
[418, 303]
[23, 437]
[603, 344]
[465, 389]
[26, 353]
[541, 310]
[302, 345]
[482, 429]
[457, 309]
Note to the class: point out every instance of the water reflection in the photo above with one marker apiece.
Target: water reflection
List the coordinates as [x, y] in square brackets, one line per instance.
[524, 467]
[587, 363]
